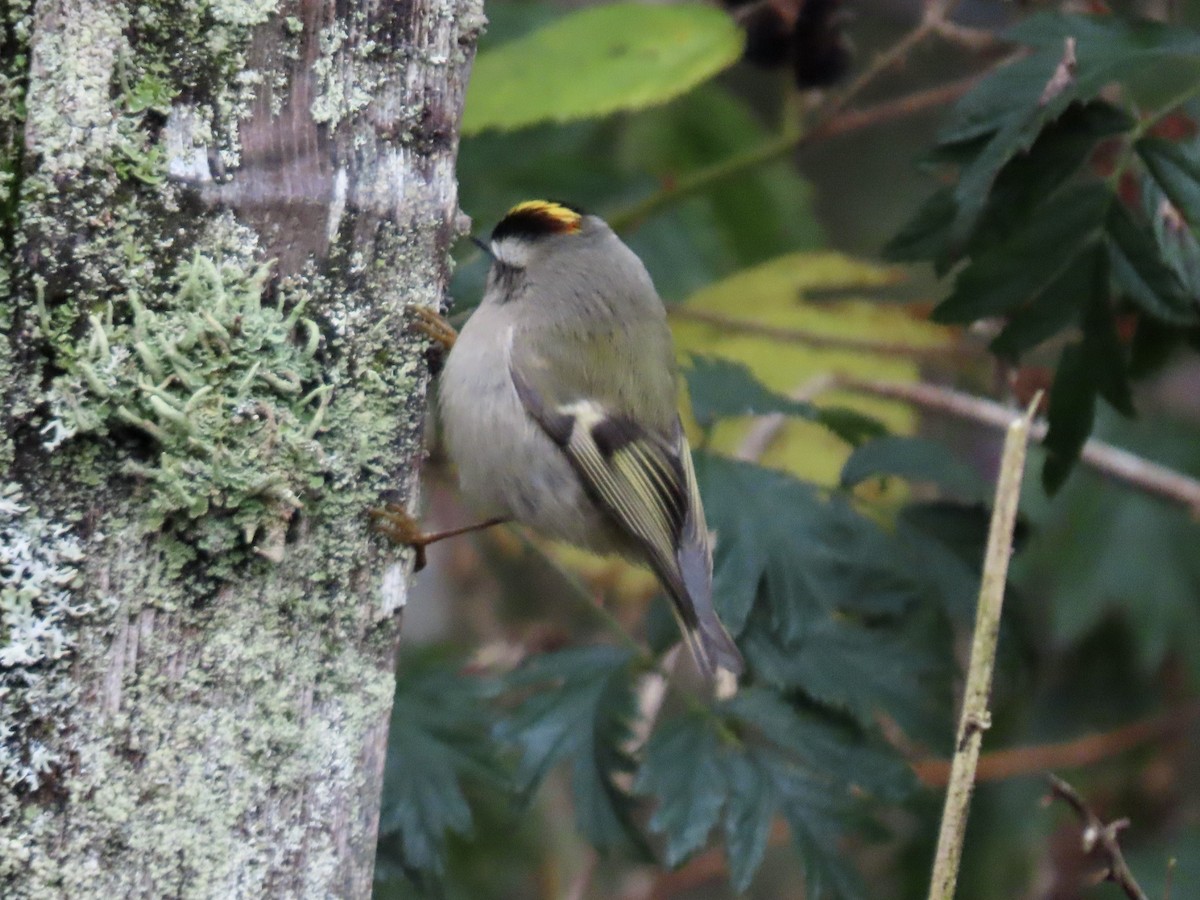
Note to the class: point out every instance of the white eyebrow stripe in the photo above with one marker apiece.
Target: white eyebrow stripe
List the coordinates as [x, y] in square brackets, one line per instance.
[511, 252]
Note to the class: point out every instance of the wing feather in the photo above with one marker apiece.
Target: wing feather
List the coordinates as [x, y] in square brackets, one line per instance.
[647, 486]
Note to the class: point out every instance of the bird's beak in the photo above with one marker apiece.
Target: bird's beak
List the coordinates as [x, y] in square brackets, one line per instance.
[484, 246]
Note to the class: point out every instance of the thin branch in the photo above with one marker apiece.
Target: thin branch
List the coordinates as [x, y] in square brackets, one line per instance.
[1120, 465]
[1073, 754]
[891, 110]
[758, 439]
[828, 118]
[975, 717]
[1099, 837]
[822, 341]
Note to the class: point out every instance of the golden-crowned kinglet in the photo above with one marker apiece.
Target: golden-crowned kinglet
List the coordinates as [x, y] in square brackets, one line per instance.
[558, 405]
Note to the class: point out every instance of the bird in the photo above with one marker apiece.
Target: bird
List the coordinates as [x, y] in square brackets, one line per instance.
[558, 409]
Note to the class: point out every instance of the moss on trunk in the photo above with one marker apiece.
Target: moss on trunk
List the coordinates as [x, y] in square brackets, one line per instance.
[214, 217]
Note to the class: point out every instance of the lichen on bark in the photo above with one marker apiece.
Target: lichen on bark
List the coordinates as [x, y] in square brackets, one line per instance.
[207, 381]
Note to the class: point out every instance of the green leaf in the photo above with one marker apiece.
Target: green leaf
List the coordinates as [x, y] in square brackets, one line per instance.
[721, 388]
[1157, 63]
[597, 61]
[1176, 169]
[749, 811]
[825, 744]
[1104, 555]
[1056, 307]
[860, 670]
[1024, 182]
[682, 767]
[1071, 412]
[438, 741]
[580, 711]
[1014, 272]
[1139, 269]
[927, 234]
[915, 459]
[807, 763]
[822, 592]
[760, 214]
[813, 812]
[1101, 344]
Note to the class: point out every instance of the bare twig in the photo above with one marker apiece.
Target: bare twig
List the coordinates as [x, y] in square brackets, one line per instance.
[764, 429]
[1083, 751]
[1120, 465]
[828, 119]
[976, 718]
[891, 110]
[1101, 838]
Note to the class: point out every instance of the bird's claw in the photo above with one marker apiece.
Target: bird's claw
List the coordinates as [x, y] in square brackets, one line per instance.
[395, 523]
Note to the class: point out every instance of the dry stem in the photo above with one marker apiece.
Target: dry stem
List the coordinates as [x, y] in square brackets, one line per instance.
[975, 717]
[1099, 837]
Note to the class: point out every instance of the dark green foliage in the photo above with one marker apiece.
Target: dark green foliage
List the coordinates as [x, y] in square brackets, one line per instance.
[914, 459]
[722, 388]
[579, 709]
[1044, 236]
[1071, 218]
[757, 757]
[824, 599]
[439, 739]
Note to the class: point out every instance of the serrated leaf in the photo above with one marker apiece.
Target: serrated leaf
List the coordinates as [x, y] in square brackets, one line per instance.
[720, 388]
[1176, 169]
[1071, 412]
[1013, 273]
[1139, 269]
[860, 670]
[810, 570]
[597, 61]
[913, 458]
[1055, 308]
[749, 811]
[949, 539]
[813, 812]
[438, 740]
[927, 234]
[682, 768]
[1022, 184]
[1106, 555]
[580, 711]
[1156, 60]
[827, 745]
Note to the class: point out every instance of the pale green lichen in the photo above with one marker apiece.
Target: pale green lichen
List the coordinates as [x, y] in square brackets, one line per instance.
[40, 564]
[337, 94]
[227, 390]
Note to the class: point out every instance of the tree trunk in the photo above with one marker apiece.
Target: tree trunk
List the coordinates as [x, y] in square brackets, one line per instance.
[213, 217]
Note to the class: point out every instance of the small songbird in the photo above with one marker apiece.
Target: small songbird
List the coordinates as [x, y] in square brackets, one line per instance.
[558, 402]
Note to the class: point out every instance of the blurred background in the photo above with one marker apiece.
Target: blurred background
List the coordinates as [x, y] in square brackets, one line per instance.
[762, 208]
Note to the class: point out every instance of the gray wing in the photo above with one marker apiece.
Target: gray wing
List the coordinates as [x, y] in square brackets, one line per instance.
[647, 486]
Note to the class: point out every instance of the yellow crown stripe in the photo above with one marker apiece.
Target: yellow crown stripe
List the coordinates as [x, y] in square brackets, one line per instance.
[567, 218]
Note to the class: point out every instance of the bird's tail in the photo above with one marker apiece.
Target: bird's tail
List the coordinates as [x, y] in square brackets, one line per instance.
[714, 650]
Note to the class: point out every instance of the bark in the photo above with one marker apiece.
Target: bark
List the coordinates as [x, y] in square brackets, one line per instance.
[213, 217]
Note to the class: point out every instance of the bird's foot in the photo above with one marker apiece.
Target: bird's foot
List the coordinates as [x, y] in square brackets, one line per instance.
[428, 322]
[396, 524]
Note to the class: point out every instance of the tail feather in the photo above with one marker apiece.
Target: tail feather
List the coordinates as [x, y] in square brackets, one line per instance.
[707, 638]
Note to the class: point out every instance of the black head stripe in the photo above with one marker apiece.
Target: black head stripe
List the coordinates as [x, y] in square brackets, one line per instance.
[538, 218]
